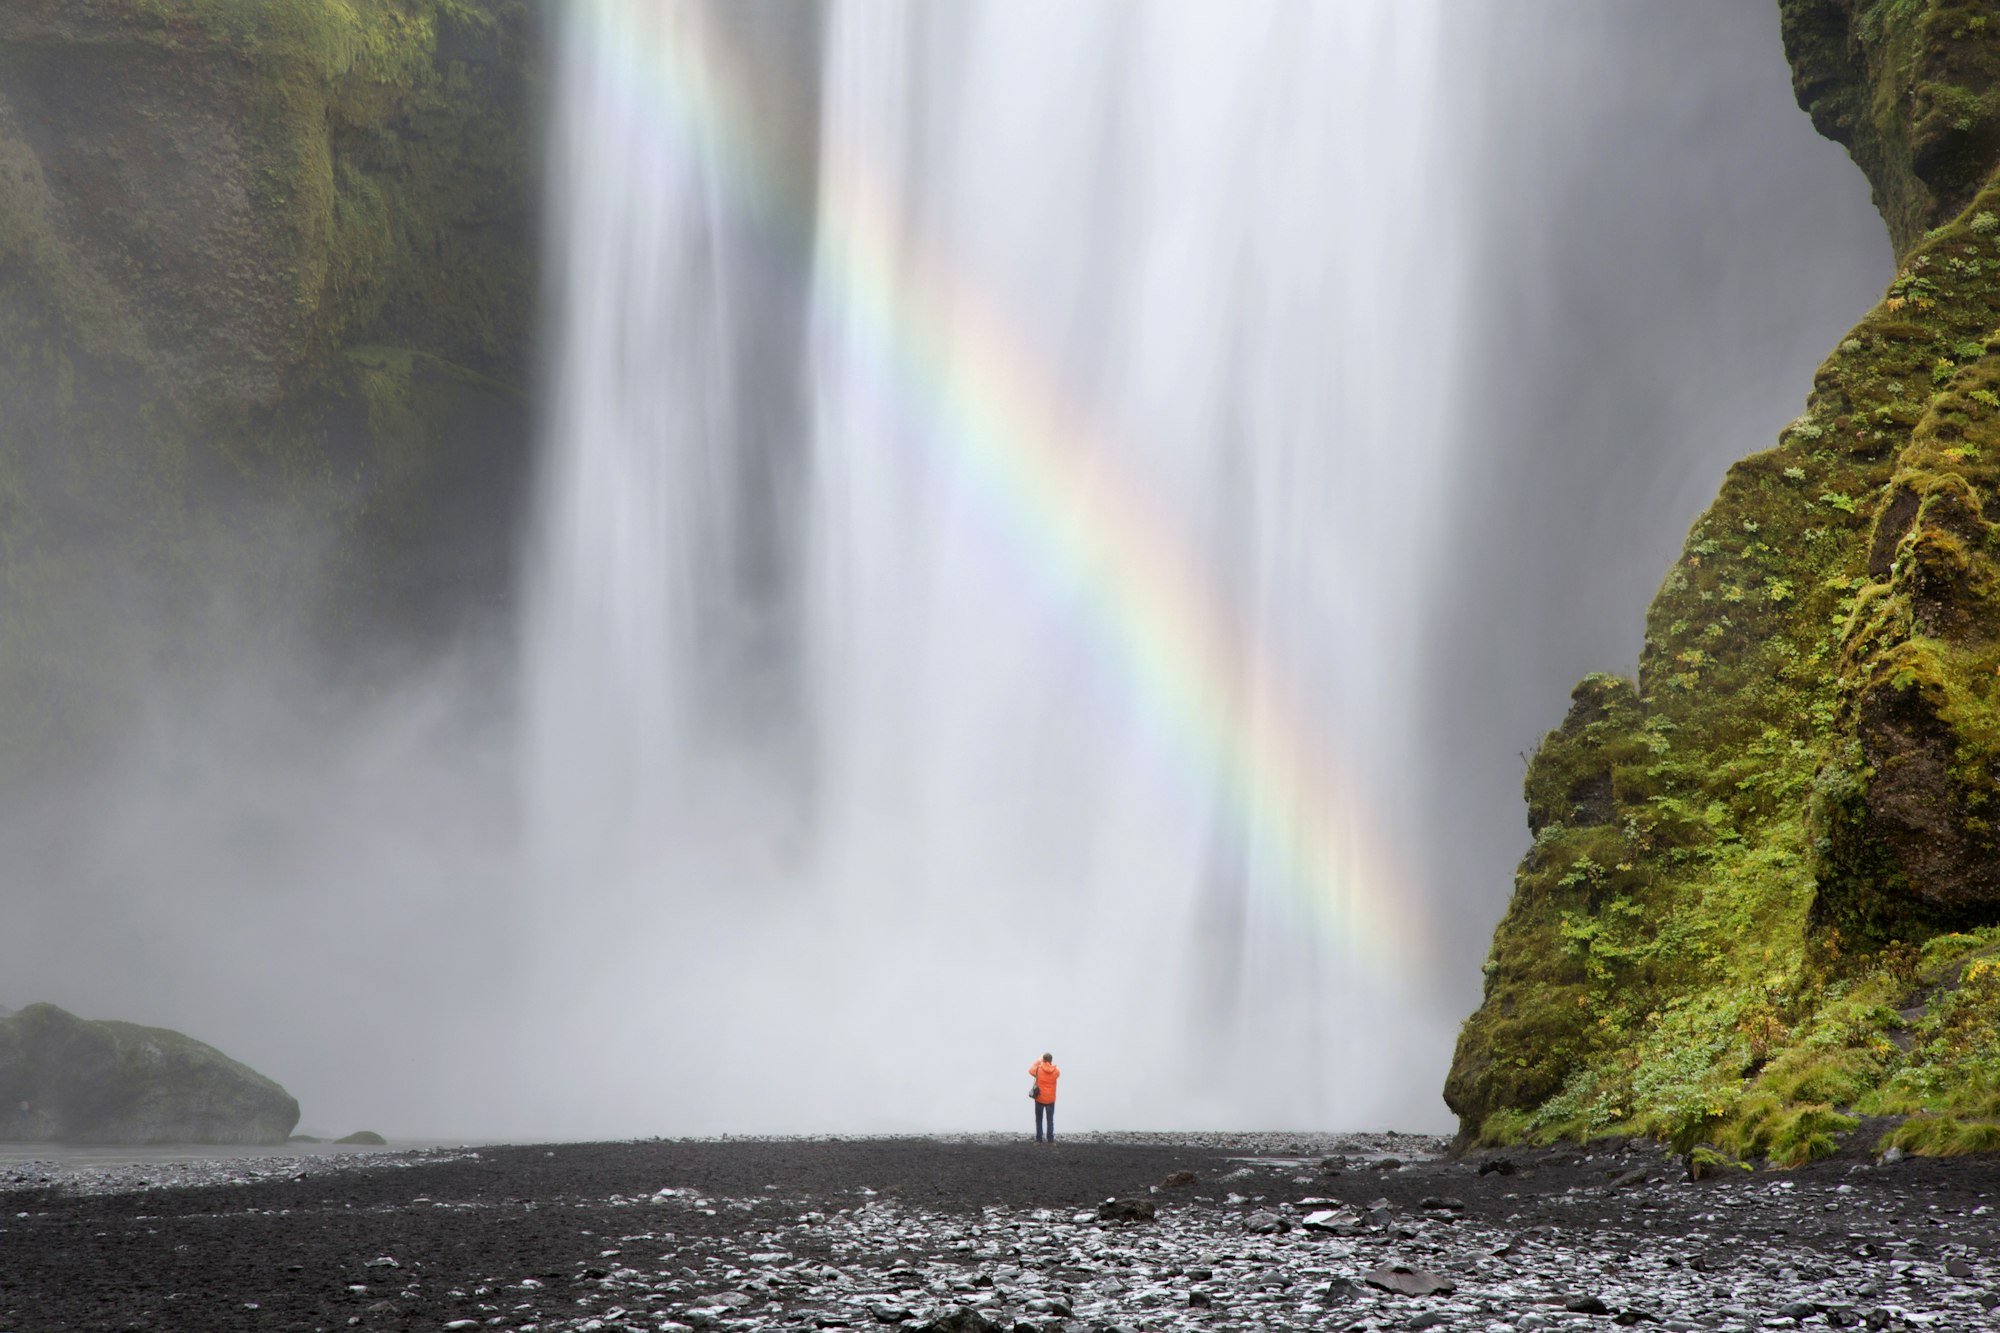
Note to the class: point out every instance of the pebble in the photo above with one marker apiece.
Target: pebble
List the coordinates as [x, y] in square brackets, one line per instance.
[85, 1178]
[877, 1262]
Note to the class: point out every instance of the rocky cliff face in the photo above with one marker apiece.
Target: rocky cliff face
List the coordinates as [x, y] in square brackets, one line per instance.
[265, 292]
[65, 1080]
[1764, 893]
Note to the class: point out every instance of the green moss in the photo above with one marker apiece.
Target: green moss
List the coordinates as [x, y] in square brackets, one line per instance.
[181, 405]
[1765, 873]
[1706, 1163]
[1909, 87]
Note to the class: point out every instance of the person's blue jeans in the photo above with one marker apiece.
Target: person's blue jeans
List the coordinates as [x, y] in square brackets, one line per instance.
[1045, 1111]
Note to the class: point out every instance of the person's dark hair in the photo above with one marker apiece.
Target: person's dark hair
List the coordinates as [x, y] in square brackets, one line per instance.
[1048, 1057]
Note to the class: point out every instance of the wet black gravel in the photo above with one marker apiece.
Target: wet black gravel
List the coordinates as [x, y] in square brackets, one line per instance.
[806, 1234]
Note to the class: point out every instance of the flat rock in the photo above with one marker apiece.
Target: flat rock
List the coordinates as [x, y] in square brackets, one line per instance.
[963, 1321]
[1407, 1281]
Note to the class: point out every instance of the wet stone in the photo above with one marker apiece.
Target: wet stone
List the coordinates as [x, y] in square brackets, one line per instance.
[1406, 1281]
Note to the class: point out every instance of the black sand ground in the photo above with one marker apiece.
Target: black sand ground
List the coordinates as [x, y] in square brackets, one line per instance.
[471, 1236]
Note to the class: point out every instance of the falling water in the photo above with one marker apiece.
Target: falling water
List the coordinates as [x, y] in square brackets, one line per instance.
[855, 794]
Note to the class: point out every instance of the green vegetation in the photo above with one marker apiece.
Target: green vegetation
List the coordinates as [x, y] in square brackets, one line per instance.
[223, 204]
[1764, 894]
[1911, 88]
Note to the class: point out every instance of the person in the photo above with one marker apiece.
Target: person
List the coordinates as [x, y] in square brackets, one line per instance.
[1045, 1074]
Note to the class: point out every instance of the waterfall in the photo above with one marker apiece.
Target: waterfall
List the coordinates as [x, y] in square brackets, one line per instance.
[850, 778]
[1053, 525]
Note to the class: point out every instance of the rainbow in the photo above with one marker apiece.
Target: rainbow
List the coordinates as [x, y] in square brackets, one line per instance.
[986, 402]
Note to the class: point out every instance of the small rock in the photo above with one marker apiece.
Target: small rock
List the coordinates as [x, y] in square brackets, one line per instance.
[1127, 1210]
[1891, 1157]
[1180, 1180]
[1407, 1281]
[1958, 1268]
[1265, 1224]
[1442, 1204]
[1326, 1219]
[1497, 1166]
[963, 1321]
[1428, 1319]
[1586, 1305]
[1200, 1300]
[1636, 1176]
[1339, 1291]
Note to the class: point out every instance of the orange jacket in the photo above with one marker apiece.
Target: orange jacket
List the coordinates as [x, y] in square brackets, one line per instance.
[1045, 1076]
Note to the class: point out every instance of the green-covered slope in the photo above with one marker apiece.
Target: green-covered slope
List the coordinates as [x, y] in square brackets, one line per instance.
[266, 278]
[1764, 893]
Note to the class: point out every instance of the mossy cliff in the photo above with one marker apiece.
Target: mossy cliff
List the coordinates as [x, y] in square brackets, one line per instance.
[1763, 898]
[266, 278]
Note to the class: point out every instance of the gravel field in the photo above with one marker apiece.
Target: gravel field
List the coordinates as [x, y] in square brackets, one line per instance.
[975, 1232]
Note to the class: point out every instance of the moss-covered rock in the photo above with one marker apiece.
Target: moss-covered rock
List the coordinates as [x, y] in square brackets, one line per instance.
[65, 1080]
[266, 291]
[1911, 88]
[1758, 869]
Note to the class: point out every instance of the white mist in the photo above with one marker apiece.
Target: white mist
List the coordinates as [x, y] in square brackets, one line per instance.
[845, 803]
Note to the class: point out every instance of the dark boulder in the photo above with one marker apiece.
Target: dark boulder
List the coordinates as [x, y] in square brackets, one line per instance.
[1126, 1210]
[64, 1079]
[963, 1320]
[1406, 1281]
[363, 1138]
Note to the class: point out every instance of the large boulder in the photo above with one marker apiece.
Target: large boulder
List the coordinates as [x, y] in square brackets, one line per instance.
[64, 1079]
